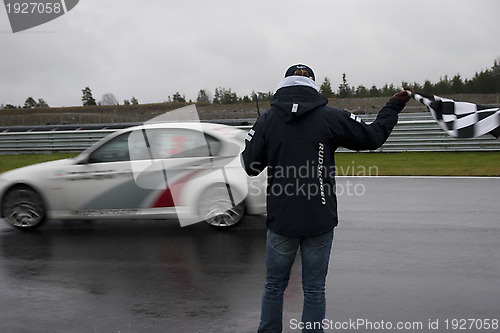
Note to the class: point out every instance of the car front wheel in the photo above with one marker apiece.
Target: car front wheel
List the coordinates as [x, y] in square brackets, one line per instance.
[23, 208]
[217, 209]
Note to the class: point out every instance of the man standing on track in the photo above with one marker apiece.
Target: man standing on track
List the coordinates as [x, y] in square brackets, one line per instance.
[296, 140]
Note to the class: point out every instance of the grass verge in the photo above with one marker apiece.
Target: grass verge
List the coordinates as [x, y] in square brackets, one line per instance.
[9, 162]
[357, 164]
[419, 164]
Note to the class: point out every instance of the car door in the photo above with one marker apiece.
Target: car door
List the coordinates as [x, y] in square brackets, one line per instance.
[170, 161]
[103, 184]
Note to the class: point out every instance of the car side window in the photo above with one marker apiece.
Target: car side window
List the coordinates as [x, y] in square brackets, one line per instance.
[115, 150]
[181, 143]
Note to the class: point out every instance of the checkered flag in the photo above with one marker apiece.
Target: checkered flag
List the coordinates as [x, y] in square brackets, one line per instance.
[462, 119]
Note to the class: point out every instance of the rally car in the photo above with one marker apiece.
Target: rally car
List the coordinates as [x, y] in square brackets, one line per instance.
[187, 171]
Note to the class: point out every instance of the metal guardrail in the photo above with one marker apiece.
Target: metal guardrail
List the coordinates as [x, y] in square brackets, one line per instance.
[414, 132]
[426, 135]
[50, 141]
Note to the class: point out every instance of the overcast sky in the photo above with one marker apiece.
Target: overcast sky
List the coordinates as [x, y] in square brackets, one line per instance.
[152, 49]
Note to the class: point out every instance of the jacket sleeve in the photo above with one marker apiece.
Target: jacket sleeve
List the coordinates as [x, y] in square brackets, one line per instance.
[255, 156]
[353, 133]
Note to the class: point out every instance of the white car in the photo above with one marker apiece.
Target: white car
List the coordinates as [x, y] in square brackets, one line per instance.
[188, 171]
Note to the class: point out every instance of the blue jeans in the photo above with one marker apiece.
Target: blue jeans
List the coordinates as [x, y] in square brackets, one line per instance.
[280, 255]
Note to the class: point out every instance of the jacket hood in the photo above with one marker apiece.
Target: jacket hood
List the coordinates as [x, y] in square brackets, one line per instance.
[295, 96]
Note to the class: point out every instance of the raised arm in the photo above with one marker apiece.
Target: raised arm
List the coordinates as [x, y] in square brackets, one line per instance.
[353, 133]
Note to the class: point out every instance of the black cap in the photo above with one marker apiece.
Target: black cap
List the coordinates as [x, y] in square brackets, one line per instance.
[301, 70]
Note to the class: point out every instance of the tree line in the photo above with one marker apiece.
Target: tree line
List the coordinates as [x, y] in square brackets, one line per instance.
[485, 82]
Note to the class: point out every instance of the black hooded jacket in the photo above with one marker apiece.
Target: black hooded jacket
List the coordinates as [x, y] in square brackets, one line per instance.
[296, 140]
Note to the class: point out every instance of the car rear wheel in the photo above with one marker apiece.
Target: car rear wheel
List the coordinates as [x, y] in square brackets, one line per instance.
[23, 208]
[217, 209]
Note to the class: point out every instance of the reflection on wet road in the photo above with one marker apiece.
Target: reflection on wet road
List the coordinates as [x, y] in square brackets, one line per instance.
[406, 250]
[129, 276]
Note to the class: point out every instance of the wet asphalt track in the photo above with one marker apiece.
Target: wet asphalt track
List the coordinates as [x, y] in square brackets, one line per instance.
[407, 249]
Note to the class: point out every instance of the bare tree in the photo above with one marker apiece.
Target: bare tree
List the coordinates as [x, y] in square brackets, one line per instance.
[109, 99]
